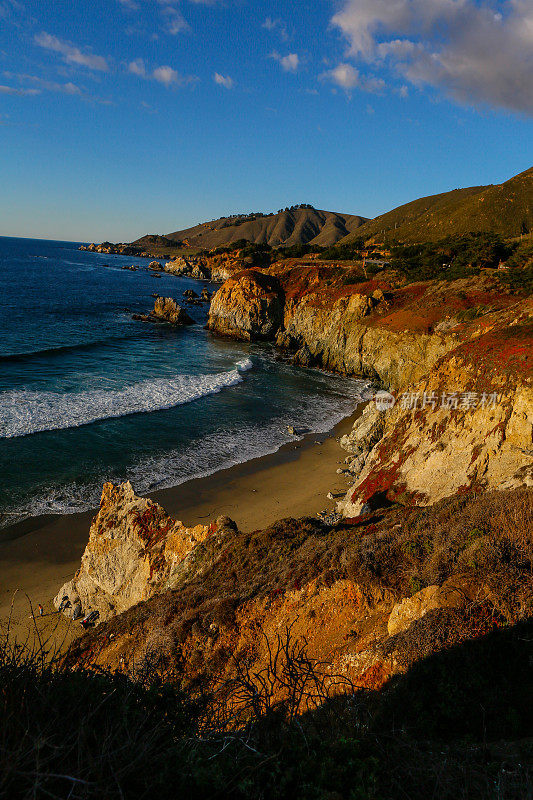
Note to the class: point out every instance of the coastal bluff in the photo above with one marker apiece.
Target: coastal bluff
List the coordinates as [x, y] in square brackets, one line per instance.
[369, 597]
[456, 356]
[430, 550]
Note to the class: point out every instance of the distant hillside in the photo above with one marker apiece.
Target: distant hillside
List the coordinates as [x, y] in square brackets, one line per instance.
[505, 208]
[291, 226]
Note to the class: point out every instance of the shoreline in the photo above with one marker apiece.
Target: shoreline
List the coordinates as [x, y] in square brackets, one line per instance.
[39, 554]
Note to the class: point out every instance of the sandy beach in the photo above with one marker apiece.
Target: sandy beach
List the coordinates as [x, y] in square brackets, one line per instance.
[38, 555]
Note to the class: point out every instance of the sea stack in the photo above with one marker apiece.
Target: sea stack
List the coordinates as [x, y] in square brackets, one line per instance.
[166, 310]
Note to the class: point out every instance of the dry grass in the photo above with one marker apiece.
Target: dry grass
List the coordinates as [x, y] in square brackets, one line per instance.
[488, 537]
[485, 542]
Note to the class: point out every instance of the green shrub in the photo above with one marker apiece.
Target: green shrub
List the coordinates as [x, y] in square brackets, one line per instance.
[296, 251]
[451, 258]
[343, 252]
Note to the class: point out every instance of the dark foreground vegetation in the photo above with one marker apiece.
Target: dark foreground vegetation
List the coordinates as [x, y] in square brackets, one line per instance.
[455, 726]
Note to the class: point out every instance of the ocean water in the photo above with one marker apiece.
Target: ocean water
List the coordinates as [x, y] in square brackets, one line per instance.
[87, 394]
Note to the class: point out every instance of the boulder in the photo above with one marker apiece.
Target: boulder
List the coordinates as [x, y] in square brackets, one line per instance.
[248, 306]
[412, 608]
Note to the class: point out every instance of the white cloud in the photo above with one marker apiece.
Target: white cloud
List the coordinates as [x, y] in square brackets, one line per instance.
[344, 75]
[41, 85]
[173, 20]
[475, 51]
[176, 22]
[289, 63]
[222, 80]
[137, 67]
[348, 78]
[19, 92]
[53, 86]
[166, 75]
[71, 54]
[276, 25]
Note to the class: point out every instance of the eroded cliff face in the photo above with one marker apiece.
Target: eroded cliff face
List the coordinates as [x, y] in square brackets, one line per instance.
[134, 551]
[337, 339]
[465, 340]
[466, 426]
[248, 306]
[365, 329]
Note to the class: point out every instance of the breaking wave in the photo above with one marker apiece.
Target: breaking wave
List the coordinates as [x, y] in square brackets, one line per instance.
[24, 412]
[222, 449]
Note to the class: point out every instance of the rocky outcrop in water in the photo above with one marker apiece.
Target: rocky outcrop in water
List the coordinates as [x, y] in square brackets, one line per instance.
[166, 310]
[248, 306]
[134, 551]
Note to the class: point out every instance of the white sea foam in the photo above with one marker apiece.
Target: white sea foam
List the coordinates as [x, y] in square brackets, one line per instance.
[23, 412]
[212, 452]
[205, 456]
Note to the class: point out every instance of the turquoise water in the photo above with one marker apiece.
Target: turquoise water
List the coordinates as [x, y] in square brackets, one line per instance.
[89, 395]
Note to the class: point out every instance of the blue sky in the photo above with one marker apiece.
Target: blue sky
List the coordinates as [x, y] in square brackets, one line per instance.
[123, 117]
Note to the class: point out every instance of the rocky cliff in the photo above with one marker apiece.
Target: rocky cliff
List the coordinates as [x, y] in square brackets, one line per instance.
[457, 356]
[134, 551]
[369, 597]
[191, 267]
[213, 266]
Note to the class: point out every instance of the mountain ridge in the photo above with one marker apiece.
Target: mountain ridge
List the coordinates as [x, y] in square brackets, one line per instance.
[288, 227]
[505, 208]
